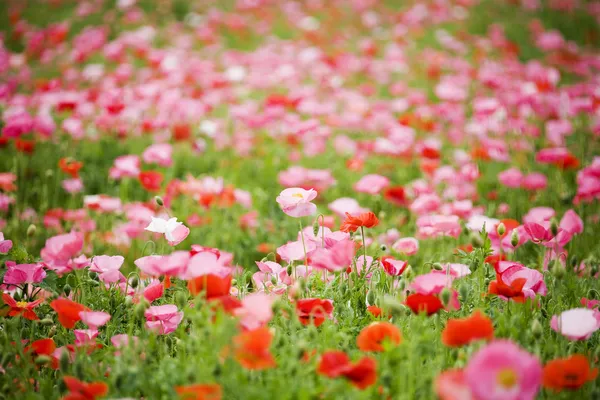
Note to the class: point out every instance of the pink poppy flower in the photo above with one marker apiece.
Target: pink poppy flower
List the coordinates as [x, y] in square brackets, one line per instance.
[534, 279]
[438, 225]
[393, 267]
[18, 274]
[408, 246]
[84, 337]
[102, 203]
[163, 319]
[539, 215]
[60, 252]
[153, 291]
[72, 186]
[17, 125]
[159, 153]
[294, 251]
[5, 245]
[256, 310]
[175, 232]
[456, 270]
[571, 222]
[125, 167]
[123, 340]
[503, 370]
[577, 323]
[535, 181]
[511, 178]
[345, 205]
[431, 283]
[371, 184]
[108, 268]
[451, 385]
[94, 319]
[334, 258]
[296, 202]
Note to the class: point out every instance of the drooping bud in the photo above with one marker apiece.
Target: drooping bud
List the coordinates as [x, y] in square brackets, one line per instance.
[536, 329]
[476, 240]
[134, 282]
[445, 296]
[371, 298]
[67, 290]
[514, 238]
[42, 359]
[437, 266]
[72, 280]
[141, 308]
[31, 229]
[289, 270]
[316, 227]
[159, 200]
[557, 270]
[501, 229]
[93, 276]
[554, 226]
[463, 290]
[46, 321]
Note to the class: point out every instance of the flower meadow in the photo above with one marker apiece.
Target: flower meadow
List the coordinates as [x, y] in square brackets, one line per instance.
[260, 199]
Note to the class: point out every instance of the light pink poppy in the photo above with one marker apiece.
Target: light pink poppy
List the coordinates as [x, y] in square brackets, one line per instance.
[345, 205]
[127, 166]
[170, 265]
[175, 232]
[94, 319]
[256, 310]
[511, 178]
[102, 203]
[108, 268]
[431, 283]
[577, 323]
[335, 257]
[571, 222]
[163, 319]
[457, 270]
[18, 274]
[371, 184]
[535, 181]
[60, 252]
[438, 225]
[408, 246]
[451, 385]
[123, 340]
[294, 251]
[84, 337]
[539, 215]
[72, 186]
[159, 153]
[296, 202]
[503, 370]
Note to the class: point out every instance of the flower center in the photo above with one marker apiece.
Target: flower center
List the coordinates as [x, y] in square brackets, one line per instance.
[506, 378]
[299, 195]
[21, 304]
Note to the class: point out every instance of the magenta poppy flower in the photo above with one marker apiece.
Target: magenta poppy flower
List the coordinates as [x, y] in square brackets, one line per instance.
[153, 291]
[5, 245]
[296, 202]
[18, 274]
[503, 370]
[577, 323]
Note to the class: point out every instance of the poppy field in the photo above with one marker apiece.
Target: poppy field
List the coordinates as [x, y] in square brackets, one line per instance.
[309, 199]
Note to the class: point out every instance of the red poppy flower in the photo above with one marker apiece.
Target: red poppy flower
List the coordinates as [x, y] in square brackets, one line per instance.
[427, 303]
[513, 291]
[44, 347]
[459, 332]
[351, 224]
[21, 308]
[212, 285]
[335, 363]
[70, 166]
[372, 336]
[68, 312]
[181, 132]
[151, 180]
[207, 391]
[494, 260]
[251, 349]
[227, 303]
[25, 146]
[395, 195]
[568, 373]
[79, 390]
[314, 310]
[375, 311]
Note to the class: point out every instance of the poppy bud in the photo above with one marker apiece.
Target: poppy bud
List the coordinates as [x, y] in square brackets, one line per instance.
[42, 359]
[594, 269]
[64, 361]
[401, 284]
[134, 281]
[128, 301]
[67, 290]
[72, 280]
[353, 276]
[536, 329]
[289, 270]
[316, 227]
[141, 308]
[94, 283]
[233, 282]
[383, 247]
[501, 229]
[445, 296]
[371, 298]
[49, 173]
[514, 238]
[46, 321]
[476, 240]
[437, 266]
[181, 299]
[274, 280]
[554, 226]
[31, 229]
[52, 331]
[391, 303]
[557, 270]
[17, 296]
[159, 200]
[303, 284]
[93, 276]
[463, 290]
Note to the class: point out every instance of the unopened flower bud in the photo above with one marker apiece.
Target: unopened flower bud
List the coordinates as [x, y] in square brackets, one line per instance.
[401, 284]
[316, 227]
[554, 226]
[64, 361]
[371, 298]
[181, 299]
[445, 296]
[93, 276]
[141, 308]
[42, 359]
[52, 331]
[344, 288]
[72, 280]
[557, 270]
[134, 282]
[514, 238]
[437, 266]
[536, 329]
[46, 321]
[67, 290]
[159, 200]
[463, 290]
[501, 229]
[476, 240]
[289, 270]
[383, 247]
[31, 229]
[574, 261]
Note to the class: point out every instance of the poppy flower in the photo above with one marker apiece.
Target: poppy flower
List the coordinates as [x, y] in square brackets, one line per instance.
[395, 195]
[451, 385]
[207, 391]
[296, 202]
[568, 373]
[428, 303]
[375, 311]
[314, 310]
[70, 166]
[351, 224]
[44, 347]
[251, 349]
[361, 374]
[372, 337]
[25, 146]
[181, 132]
[212, 285]
[151, 180]
[21, 308]
[79, 390]
[459, 332]
[68, 311]
[393, 267]
[513, 291]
